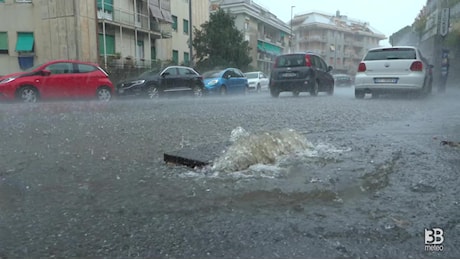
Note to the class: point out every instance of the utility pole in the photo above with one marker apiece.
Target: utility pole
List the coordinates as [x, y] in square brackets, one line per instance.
[191, 63]
[291, 38]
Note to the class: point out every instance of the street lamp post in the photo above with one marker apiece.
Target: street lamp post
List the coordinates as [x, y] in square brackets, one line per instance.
[291, 36]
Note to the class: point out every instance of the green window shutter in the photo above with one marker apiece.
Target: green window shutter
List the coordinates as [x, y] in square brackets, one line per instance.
[185, 26]
[109, 42]
[25, 42]
[3, 41]
[186, 58]
[108, 5]
[174, 25]
[153, 53]
[175, 57]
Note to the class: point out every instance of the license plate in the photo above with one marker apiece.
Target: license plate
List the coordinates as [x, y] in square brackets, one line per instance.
[289, 75]
[386, 80]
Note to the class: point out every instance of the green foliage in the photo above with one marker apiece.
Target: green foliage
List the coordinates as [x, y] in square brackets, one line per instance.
[420, 22]
[220, 44]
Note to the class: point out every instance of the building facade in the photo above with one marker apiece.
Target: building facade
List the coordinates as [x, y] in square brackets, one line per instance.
[28, 40]
[267, 35]
[341, 41]
[113, 33]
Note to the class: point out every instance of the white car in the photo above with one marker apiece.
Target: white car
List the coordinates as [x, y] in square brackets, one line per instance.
[257, 80]
[391, 70]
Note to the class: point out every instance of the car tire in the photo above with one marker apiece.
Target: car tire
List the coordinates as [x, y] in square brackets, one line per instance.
[330, 91]
[274, 92]
[103, 94]
[197, 91]
[359, 94]
[153, 92]
[223, 90]
[314, 90]
[27, 94]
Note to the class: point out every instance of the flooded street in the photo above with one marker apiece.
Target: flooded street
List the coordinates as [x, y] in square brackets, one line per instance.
[300, 177]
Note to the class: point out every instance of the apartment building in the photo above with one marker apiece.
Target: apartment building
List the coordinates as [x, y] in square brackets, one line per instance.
[184, 19]
[44, 30]
[341, 41]
[267, 35]
[114, 33]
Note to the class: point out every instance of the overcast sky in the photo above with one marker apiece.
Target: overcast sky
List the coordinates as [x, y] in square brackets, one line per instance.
[386, 16]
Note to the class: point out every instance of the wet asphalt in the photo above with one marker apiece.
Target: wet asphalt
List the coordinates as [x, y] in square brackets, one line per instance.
[83, 179]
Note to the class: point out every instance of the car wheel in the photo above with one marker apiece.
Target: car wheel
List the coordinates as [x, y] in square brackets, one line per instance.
[103, 94]
[223, 90]
[295, 93]
[27, 94]
[153, 92]
[330, 92]
[274, 92]
[359, 94]
[314, 90]
[197, 91]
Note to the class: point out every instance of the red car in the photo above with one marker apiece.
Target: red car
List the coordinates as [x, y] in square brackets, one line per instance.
[58, 79]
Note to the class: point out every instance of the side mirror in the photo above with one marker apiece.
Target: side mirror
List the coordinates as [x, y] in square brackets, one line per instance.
[165, 74]
[45, 73]
[330, 68]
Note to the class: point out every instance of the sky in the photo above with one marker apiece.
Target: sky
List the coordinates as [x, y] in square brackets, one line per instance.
[385, 16]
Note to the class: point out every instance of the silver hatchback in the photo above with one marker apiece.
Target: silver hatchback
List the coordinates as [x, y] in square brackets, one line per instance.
[392, 70]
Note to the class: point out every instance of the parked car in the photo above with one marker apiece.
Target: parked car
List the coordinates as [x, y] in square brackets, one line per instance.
[392, 70]
[58, 79]
[171, 80]
[301, 72]
[257, 80]
[343, 80]
[226, 81]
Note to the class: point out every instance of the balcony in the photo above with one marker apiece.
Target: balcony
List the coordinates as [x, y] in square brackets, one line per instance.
[312, 38]
[127, 18]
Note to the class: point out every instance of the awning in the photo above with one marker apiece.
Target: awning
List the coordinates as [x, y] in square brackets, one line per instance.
[269, 48]
[167, 16]
[154, 6]
[25, 42]
[165, 6]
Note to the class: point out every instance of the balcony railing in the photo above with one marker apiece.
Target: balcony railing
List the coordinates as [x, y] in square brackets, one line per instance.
[128, 18]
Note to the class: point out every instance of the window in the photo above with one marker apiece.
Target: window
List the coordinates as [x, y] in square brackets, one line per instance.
[23, 1]
[186, 58]
[3, 43]
[25, 42]
[60, 68]
[175, 57]
[185, 26]
[153, 53]
[140, 50]
[108, 5]
[109, 47]
[84, 68]
[174, 24]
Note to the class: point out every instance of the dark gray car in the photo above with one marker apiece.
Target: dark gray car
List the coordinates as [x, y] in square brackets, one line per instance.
[301, 72]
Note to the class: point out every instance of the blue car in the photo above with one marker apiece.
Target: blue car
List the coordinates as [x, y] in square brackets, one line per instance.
[226, 81]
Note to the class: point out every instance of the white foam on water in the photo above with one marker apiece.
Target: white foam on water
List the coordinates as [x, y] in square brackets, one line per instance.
[263, 155]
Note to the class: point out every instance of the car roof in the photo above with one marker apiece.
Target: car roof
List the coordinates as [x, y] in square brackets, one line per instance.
[394, 47]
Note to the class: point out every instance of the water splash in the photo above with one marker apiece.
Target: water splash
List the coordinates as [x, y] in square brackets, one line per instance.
[264, 148]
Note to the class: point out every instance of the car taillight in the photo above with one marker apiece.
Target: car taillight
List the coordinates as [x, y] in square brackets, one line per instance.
[307, 61]
[362, 67]
[416, 66]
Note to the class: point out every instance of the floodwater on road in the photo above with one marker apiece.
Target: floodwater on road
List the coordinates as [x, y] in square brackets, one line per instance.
[320, 177]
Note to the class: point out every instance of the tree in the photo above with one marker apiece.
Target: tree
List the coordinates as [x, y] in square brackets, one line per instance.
[220, 44]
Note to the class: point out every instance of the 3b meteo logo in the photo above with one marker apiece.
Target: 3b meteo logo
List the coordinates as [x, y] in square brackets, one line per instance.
[433, 239]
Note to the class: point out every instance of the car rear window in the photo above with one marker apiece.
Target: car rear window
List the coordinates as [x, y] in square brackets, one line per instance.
[293, 60]
[391, 54]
